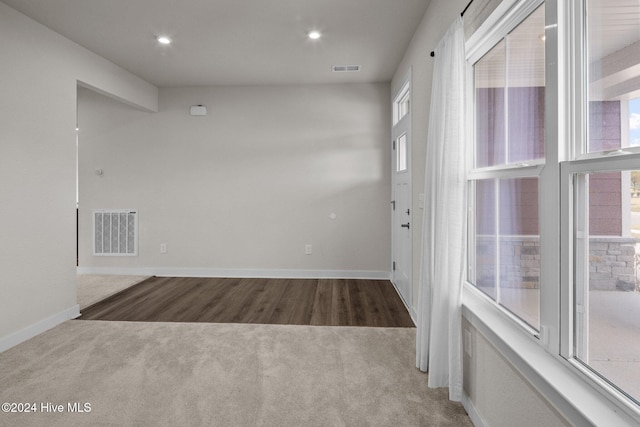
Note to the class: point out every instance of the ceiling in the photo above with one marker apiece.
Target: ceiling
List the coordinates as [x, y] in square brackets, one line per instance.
[238, 42]
[613, 25]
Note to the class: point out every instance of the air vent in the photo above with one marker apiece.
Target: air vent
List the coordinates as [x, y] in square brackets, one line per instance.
[115, 232]
[345, 68]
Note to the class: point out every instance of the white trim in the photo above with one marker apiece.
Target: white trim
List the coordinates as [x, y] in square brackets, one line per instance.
[602, 164]
[476, 419]
[551, 268]
[412, 312]
[564, 389]
[38, 328]
[117, 271]
[244, 273]
[521, 170]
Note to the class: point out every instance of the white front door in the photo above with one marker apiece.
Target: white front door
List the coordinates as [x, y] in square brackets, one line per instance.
[402, 226]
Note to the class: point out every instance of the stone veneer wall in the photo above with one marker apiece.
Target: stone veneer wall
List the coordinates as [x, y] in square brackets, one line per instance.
[519, 261]
[611, 262]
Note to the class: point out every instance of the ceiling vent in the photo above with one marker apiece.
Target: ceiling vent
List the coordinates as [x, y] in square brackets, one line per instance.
[345, 68]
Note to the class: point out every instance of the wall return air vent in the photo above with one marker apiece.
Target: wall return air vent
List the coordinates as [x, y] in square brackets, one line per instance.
[345, 68]
[115, 232]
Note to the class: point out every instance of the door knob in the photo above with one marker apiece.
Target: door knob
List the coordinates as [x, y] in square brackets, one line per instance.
[405, 225]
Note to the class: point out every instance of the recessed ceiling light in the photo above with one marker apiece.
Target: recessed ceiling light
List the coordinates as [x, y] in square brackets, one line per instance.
[163, 40]
[314, 35]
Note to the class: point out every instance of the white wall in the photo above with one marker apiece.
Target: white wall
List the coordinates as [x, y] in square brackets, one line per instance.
[247, 186]
[38, 78]
[498, 392]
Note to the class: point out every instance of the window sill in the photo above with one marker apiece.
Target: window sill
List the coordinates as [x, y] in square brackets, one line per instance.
[555, 378]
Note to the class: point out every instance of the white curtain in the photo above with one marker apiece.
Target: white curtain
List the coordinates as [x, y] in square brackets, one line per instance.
[444, 228]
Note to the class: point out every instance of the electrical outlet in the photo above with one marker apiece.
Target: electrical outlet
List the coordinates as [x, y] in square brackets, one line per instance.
[163, 248]
[307, 249]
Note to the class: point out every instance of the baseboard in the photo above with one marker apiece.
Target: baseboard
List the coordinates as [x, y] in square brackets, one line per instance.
[413, 315]
[38, 328]
[245, 273]
[410, 309]
[475, 417]
[117, 271]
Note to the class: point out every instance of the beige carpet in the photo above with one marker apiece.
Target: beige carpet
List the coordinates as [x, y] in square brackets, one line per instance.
[185, 374]
[96, 287]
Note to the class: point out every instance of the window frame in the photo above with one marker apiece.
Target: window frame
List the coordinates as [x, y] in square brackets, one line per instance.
[402, 103]
[578, 160]
[477, 47]
[569, 256]
[402, 153]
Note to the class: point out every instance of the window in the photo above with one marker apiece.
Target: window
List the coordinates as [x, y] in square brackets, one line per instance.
[604, 179]
[504, 255]
[401, 104]
[554, 196]
[401, 153]
[607, 301]
[634, 122]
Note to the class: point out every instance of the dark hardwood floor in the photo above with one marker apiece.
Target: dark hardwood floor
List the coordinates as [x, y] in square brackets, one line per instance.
[321, 302]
